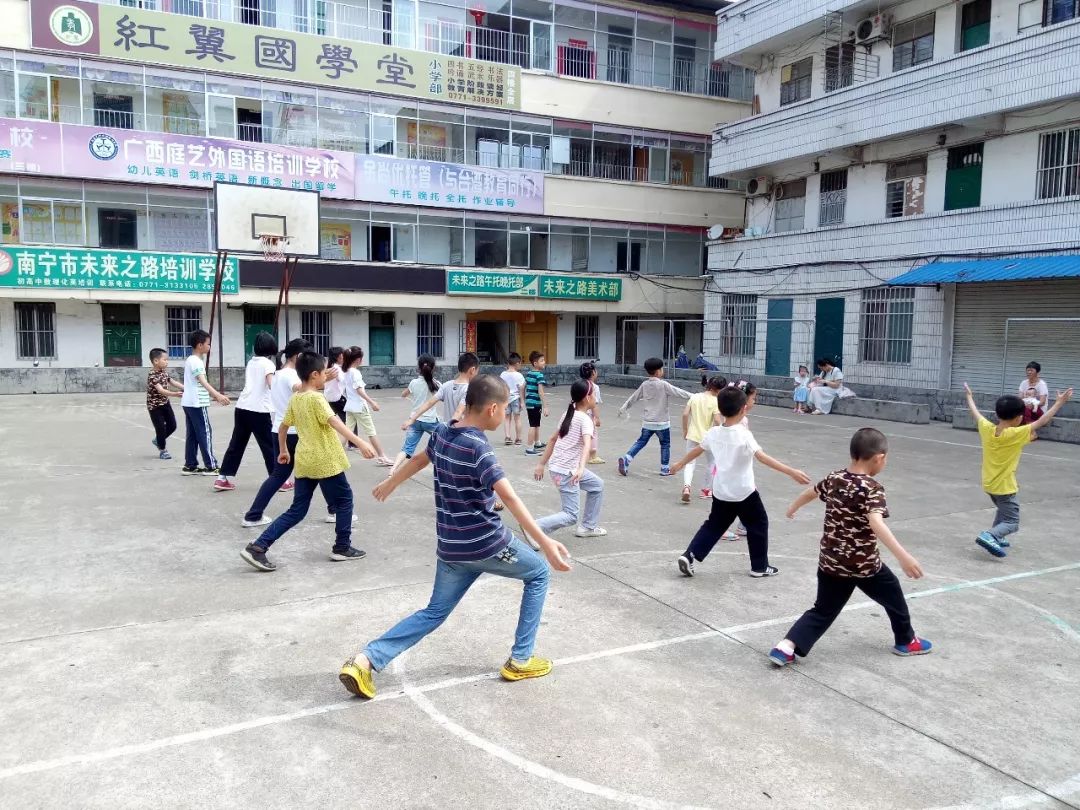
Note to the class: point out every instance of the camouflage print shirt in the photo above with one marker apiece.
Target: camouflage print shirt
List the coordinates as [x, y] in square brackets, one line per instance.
[848, 545]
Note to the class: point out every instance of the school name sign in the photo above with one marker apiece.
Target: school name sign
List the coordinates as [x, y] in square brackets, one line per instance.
[81, 268]
[533, 285]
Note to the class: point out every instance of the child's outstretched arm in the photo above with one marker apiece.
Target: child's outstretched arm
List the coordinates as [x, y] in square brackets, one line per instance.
[1062, 398]
[970, 399]
[557, 555]
[686, 420]
[219, 398]
[427, 406]
[693, 453]
[884, 534]
[804, 498]
[676, 391]
[634, 397]
[400, 476]
[362, 392]
[282, 443]
[366, 450]
[798, 476]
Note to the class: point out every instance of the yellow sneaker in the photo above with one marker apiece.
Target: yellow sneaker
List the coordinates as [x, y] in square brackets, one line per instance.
[596, 460]
[533, 668]
[357, 679]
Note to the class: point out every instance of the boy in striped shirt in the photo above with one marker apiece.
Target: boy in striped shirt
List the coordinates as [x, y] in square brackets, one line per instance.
[472, 540]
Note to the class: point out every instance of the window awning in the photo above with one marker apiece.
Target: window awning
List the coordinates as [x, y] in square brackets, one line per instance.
[1027, 269]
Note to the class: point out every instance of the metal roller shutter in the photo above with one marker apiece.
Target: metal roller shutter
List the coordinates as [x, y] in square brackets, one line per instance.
[979, 334]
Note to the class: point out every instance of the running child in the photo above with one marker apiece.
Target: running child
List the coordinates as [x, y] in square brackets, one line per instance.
[535, 401]
[251, 417]
[359, 405]
[855, 513]
[472, 540]
[1002, 445]
[320, 463]
[418, 391]
[515, 381]
[451, 394]
[733, 450]
[589, 372]
[566, 456]
[701, 413]
[196, 399]
[335, 387]
[655, 395]
[801, 394]
[159, 387]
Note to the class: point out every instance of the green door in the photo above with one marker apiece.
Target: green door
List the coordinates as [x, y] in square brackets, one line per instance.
[778, 337]
[256, 319]
[381, 345]
[963, 177]
[122, 334]
[829, 330]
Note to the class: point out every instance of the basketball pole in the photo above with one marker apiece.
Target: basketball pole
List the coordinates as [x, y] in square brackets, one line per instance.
[287, 271]
[216, 316]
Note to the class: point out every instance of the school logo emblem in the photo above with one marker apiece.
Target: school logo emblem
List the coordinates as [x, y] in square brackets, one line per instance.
[71, 25]
[104, 147]
[7, 264]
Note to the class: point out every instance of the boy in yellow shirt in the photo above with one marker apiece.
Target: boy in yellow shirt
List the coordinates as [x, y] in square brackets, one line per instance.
[320, 462]
[1002, 445]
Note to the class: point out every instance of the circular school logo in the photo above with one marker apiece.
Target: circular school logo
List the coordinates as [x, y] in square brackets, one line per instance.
[6, 263]
[104, 147]
[71, 25]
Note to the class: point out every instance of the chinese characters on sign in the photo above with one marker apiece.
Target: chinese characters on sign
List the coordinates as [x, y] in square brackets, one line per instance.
[81, 268]
[136, 34]
[532, 285]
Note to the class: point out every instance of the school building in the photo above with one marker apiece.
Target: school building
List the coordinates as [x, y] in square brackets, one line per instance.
[913, 192]
[495, 175]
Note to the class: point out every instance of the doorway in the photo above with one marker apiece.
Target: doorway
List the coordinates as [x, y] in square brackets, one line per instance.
[626, 337]
[963, 177]
[778, 337]
[257, 319]
[829, 330]
[122, 333]
[381, 243]
[118, 228]
[381, 339]
[494, 341]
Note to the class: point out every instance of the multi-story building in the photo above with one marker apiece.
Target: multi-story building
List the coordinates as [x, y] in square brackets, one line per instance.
[913, 198]
[495, 174]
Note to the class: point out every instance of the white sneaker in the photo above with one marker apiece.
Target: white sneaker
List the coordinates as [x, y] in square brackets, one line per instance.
[597, 532]
[251, 524]
[333, 518]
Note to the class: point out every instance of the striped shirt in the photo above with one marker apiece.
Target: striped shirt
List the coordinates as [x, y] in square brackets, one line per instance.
[466, 470]
[534, 378]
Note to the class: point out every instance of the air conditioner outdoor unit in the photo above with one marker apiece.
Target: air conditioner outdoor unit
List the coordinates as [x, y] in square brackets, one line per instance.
[872, 29]
[758, 187]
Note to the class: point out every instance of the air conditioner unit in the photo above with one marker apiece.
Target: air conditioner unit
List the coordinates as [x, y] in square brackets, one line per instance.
[872, 29]
[758, 187]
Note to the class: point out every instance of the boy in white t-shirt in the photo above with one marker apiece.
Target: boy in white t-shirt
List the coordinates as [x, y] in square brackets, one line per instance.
[196, 399]
[515, 381]
[733, 450]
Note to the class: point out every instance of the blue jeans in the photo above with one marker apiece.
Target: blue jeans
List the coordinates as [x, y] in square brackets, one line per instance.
[570, 494]
[1007, 519]
[276, 478]
[412, 436]
[338, 495]
[200, 436]
[452, 580]
[665, 444]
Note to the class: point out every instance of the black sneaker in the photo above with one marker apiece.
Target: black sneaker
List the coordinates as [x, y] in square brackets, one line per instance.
[209, 471]
[770, 571]
[255, 556]
[189, 470]
[686, 564]
[539, 445]
[348, 554]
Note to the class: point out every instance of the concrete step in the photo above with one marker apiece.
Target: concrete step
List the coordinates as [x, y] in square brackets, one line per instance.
[912, 413]
[1059, 430]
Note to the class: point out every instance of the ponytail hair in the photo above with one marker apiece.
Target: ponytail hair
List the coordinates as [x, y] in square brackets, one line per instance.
[425, 364]
[353, 354]
[578, 391]
[587, 369]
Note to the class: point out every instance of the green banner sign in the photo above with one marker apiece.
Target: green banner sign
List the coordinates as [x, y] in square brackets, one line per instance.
[533, 285]
[82, 268]
[157, 38]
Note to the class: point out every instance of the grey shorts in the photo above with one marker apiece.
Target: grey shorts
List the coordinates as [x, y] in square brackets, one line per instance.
[513, 407]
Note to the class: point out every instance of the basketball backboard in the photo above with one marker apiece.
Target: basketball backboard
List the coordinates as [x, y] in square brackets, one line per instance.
[243, 213]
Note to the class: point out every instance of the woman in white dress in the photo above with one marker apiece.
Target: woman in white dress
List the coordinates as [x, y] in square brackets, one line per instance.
[825, 387]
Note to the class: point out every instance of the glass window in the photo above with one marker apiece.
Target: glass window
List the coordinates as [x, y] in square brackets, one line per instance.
[905, 187]
[790, 206]
[1059, 164]
[35, 331]
[587, 337]
[738, 325]
[1057, 11]
[913, 42]
[179, 323]
[975, 24]
[489, 243]
[430, 336]
[315, 328]
[886, 325]
[795, 81]
[833, 197]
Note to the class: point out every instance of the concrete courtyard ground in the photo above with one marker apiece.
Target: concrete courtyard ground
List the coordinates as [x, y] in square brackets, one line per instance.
[143, 663]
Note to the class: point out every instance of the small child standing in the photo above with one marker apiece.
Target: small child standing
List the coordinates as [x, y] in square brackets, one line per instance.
[159, 387]
[515, 381]
[655, 394]
[801, 394]
[451, 394]
[335, 386]
[472, 540]
[320, 464]
[701, 414]
[196, 399]
[855, 513]
[358, 405]
[1002, 445]
[251, 417]
[568, 452]
[535, 401]
[588, 372]
[734, 449]
[418, 391]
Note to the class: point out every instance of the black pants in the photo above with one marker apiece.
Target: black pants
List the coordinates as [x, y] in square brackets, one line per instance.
[339, 408]
[164, 421]
[751, 512]
[245, 425]
[833, 593]
[278, 476]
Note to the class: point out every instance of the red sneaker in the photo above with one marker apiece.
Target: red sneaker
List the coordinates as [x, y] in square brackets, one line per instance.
[287, 487]
[224, 485]
[917, 646]
[706, 493]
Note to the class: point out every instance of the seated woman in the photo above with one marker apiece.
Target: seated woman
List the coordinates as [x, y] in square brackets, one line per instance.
[825, 388]
[1034, 391]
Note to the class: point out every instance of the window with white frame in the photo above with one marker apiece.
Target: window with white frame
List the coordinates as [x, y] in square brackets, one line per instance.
[1056, 11]
[738, 325]
[587, 337]
[795, 81]
[886, 324]
[35, 331]
[790, 214]
[1059, 164]
[913, 42]
[832, 202]
[315, 328]
[905, 187]
[179, 323]
[429, 334]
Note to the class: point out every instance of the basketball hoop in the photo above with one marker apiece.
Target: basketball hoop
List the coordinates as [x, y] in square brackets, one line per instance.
[273, 246]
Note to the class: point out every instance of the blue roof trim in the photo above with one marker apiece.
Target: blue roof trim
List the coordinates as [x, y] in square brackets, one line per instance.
[1026, 269]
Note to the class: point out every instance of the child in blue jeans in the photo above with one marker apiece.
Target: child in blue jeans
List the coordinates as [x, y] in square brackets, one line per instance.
[655, 395]
[472, 540]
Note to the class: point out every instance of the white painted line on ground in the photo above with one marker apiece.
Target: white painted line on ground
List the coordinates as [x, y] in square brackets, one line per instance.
[277, 719]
